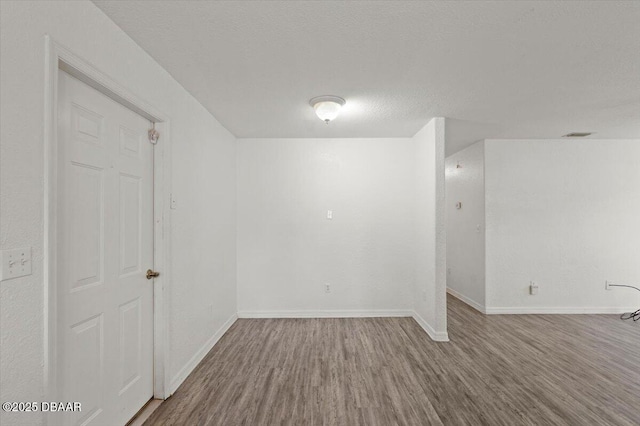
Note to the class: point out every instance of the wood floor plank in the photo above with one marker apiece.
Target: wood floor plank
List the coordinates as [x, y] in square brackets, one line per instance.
[497, 370]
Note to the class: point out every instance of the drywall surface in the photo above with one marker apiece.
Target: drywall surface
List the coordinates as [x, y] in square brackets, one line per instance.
[244, 59]
[203, 292]
[563, 213]
[430, 235]
[465, 225]
[288, 249]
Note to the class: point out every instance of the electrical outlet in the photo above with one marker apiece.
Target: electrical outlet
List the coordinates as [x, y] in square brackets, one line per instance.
[329, 214]
[327, 288]
[607, 285]
[533, 288]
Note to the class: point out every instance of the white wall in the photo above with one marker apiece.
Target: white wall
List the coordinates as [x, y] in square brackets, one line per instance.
[564, 213]
[465, 226]
[288, 249]
[203, 292]
[430, 252]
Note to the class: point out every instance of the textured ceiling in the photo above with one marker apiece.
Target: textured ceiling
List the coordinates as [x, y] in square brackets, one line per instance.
[498, 69]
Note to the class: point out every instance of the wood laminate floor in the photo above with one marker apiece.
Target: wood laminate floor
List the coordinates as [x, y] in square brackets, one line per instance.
[497, 370]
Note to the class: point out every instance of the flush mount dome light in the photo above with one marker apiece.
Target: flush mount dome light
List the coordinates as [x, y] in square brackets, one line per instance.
[327, 107]
[577, 134]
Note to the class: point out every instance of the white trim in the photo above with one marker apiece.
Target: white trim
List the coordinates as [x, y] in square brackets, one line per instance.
[438, 336]
[549, 310]
[199, 356]
[475, 305]
[49, 231]
[434, 335]
[58, 57]
[439, 128]
[376, 313]
[161, 260]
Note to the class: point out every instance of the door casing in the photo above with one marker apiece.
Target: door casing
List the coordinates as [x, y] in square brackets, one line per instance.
[57, 58]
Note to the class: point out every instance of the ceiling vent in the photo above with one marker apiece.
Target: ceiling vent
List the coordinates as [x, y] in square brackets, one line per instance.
[577, 134]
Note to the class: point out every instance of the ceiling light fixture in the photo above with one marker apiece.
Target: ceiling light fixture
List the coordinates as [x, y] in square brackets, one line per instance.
[577, 135]
[327, 107]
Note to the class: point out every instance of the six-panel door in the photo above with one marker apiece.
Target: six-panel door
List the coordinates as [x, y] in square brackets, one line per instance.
[105, 245]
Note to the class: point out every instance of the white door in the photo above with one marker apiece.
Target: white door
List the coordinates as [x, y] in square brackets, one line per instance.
[105, 245]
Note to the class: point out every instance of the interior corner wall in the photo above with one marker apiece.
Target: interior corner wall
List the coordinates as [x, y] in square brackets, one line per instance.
[288, 250]
[466, 225]
[564, 214]
[203, 291]
[430, 302]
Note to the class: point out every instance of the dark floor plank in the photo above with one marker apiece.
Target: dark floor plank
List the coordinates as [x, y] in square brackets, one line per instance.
[497, 370]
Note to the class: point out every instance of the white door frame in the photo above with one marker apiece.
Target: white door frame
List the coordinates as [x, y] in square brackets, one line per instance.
[58, 58]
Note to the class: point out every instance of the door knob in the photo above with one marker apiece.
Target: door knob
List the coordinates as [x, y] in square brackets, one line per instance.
[152, 274]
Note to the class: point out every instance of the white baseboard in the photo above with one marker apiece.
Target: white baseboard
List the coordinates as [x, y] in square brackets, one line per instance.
[475, 305]
[557, 310]
[198, 356]
[438, 336]
[327, 314]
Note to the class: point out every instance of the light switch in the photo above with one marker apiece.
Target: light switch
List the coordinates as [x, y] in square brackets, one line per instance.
[16, 263]
[329, 214]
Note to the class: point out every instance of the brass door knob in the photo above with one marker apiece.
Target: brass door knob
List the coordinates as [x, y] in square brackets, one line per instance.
[152, 274]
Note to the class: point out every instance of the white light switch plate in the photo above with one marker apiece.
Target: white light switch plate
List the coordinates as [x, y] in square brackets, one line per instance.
[533, 288]
[16, 263]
